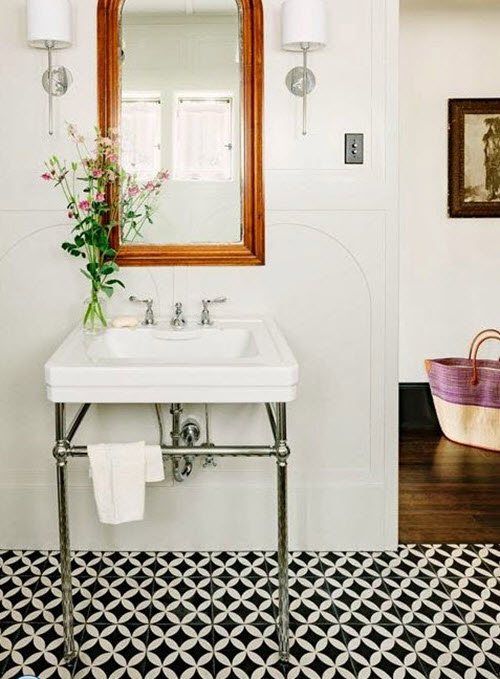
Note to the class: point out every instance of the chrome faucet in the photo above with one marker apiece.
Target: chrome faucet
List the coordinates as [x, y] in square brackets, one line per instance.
[206, 321]
[149, 318]
[178, 321]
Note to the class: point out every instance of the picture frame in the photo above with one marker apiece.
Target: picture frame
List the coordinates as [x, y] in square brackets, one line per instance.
[474, 158]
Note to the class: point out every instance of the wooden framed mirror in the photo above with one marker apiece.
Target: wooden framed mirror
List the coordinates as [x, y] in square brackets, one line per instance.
[182, 81]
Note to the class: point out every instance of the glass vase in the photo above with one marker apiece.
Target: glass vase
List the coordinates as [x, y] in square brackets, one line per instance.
[94, 318]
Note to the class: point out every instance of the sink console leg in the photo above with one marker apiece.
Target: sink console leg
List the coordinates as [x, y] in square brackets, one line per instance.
[282, 454]
[61, 456]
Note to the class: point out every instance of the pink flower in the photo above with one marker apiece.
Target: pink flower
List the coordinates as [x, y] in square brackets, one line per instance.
[106, 141]
[97, 173]
[163, 175]
[134, 191]
[100, 198]
[150, 186]
[112, 158]
[84, 205]
[77, 137]
[111, 176]
[46, 176]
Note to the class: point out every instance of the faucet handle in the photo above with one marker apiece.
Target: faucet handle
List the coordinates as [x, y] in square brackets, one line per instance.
[216, 300]
[149, 318]
[205, 314]
[148, 301]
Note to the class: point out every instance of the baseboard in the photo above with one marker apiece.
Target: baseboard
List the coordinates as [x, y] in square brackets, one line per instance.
[416, 409]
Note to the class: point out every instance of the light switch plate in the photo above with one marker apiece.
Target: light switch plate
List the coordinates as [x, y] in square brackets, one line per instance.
[354, 149]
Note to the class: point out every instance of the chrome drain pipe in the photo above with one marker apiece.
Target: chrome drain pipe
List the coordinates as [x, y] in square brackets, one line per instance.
[182, 466]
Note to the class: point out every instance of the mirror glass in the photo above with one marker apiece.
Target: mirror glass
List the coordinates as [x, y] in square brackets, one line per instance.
[180, 111]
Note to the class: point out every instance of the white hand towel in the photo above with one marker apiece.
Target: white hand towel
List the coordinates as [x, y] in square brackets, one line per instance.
[155, 470]
[119, 475]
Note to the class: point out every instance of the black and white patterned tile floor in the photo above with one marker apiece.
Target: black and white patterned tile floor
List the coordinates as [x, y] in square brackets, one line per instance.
[422, 612]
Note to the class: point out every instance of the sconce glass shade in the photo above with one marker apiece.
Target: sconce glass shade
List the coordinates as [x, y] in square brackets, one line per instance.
[303, 22]
[49, 21]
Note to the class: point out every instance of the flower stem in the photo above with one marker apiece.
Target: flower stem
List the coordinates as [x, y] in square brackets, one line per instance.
[94, 318]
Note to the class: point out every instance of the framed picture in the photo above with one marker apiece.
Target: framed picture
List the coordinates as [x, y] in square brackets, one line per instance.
[474, 158]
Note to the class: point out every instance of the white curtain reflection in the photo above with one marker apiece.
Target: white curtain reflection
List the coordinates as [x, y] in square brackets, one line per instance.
[141, 135]
[203, 139]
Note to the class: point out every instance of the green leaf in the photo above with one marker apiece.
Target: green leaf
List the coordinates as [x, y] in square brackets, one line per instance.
[108, 290]
[102, 241]
[116, 282]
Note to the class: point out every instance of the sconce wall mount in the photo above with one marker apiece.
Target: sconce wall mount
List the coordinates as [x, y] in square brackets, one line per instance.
[301, 79]
[57, 81]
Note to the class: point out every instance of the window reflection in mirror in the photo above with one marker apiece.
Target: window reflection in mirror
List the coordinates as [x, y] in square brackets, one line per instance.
[180, 111]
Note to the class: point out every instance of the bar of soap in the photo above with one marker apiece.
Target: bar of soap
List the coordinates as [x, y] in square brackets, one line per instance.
[125, 322]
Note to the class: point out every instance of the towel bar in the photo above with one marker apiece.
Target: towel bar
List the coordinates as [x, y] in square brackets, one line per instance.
[170, 452]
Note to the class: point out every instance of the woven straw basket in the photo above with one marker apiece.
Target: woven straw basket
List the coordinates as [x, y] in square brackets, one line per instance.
[466, 393]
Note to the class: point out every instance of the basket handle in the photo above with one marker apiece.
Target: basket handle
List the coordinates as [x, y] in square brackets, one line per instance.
[489, 331]
[475, 349]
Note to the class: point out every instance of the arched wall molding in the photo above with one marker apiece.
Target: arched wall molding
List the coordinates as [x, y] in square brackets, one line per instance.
[359, 268]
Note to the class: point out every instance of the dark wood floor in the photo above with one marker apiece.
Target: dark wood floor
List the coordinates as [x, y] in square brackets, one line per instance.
[447, 492]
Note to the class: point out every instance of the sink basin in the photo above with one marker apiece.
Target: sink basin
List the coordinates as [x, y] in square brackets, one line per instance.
[179, 346]
[235, 361]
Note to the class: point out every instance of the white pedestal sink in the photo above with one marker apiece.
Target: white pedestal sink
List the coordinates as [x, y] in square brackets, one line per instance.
[234, 361]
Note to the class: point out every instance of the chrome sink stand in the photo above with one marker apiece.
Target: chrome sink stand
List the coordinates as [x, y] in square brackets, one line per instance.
[64, 449]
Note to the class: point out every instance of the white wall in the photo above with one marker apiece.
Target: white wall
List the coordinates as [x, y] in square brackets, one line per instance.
[330, 279]
[449, 267]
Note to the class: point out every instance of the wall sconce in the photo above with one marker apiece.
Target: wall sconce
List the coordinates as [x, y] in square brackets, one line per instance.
[303, 29]
[49, 27]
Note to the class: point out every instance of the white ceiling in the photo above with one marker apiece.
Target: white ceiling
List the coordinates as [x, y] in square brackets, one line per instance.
[181, 6]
